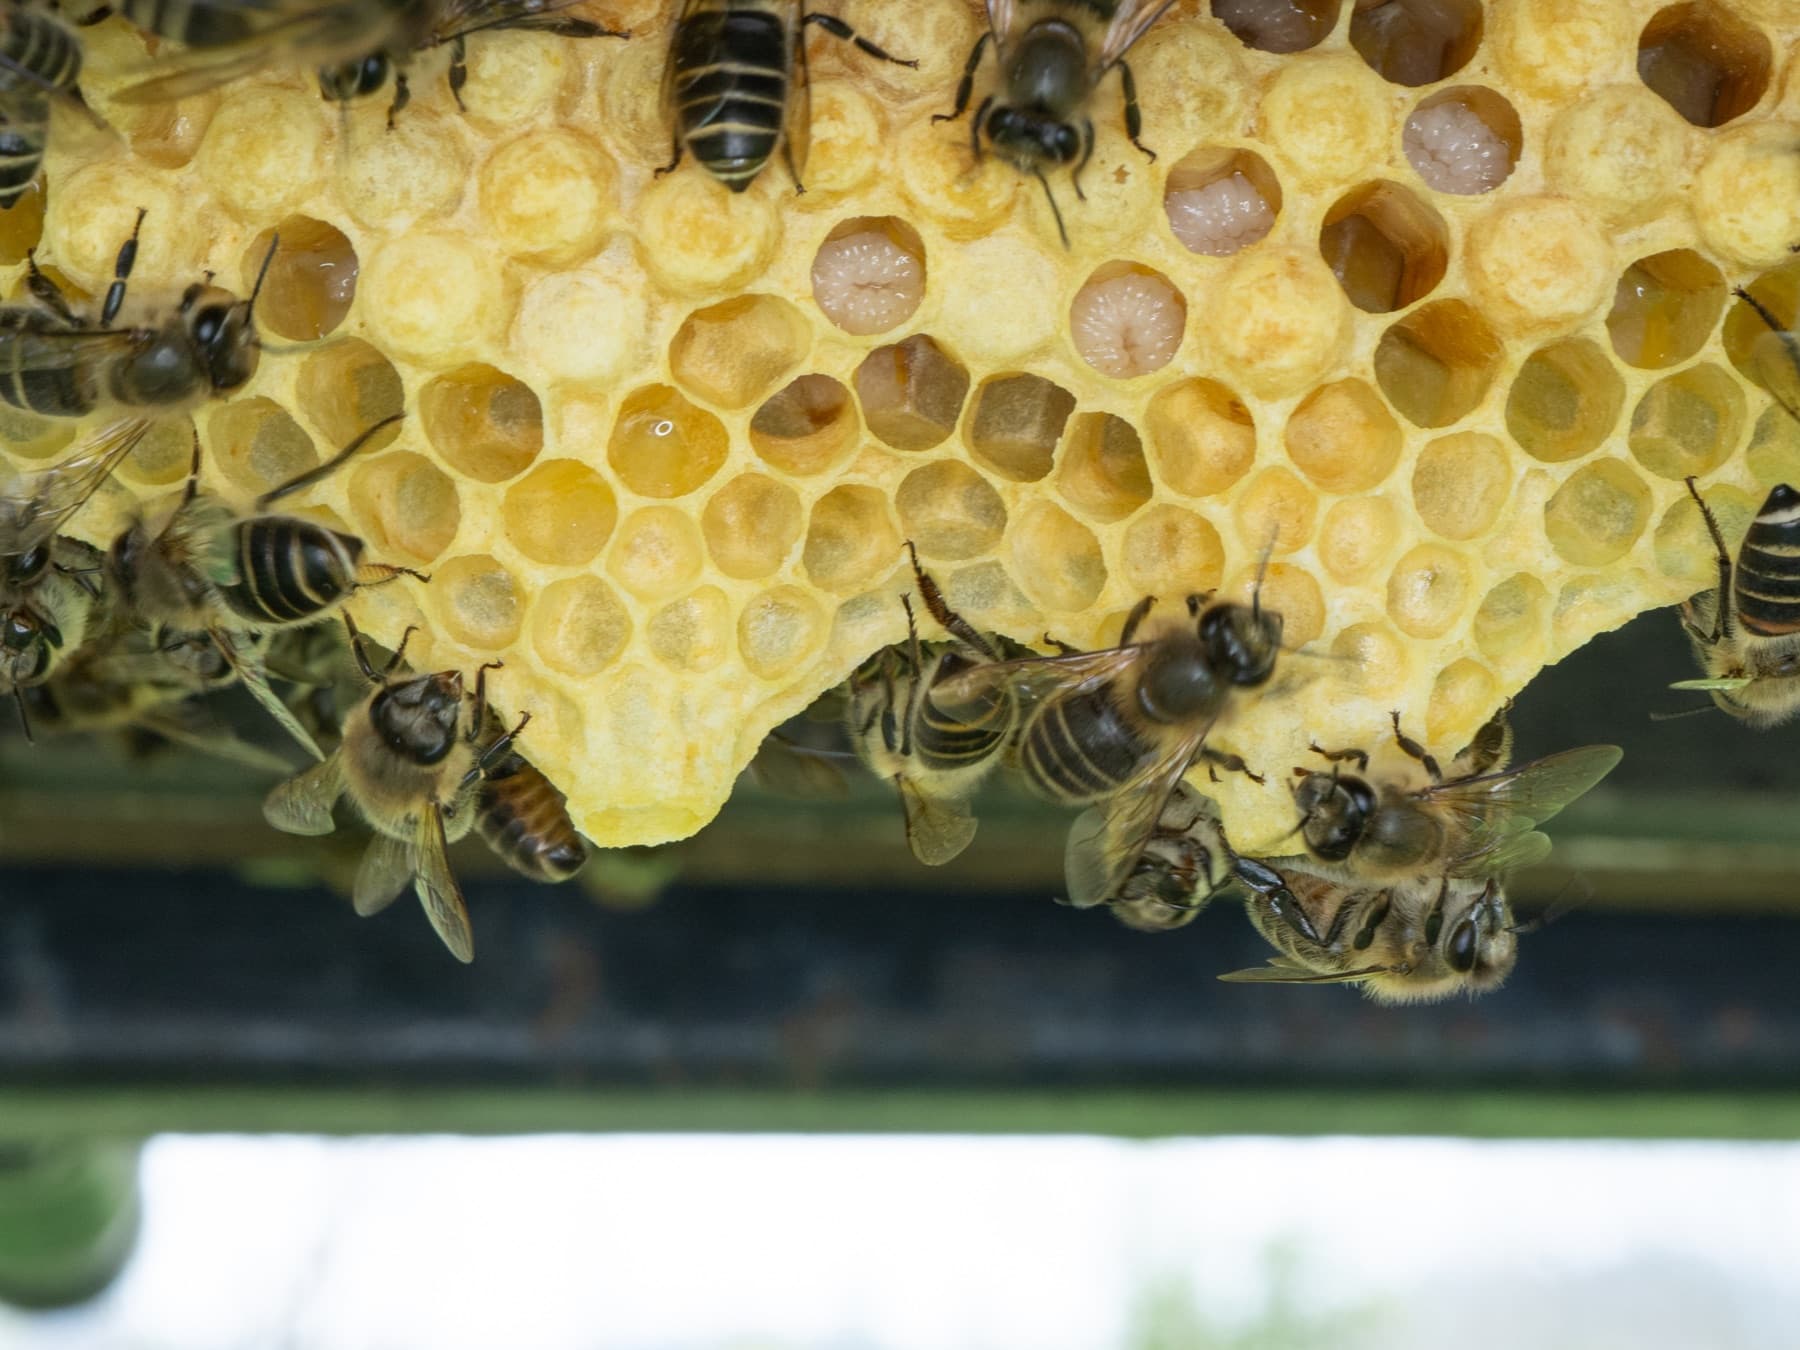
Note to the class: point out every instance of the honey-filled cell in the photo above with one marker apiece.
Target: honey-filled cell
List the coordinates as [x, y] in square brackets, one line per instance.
[486, 424]
[751, 524]
[807, 427]
[1665, 308]
[347, 386]
[1688, 423]
[1016, 424]
[851, 539]
[656, 553]
[579, 626]
[1103, 475]
[1437, 364]
[1202, 437]
[560, 514]
[478, 602]
[406, 507]
[733, 353]
[664, 446]
[1565, 401]
[311, 279]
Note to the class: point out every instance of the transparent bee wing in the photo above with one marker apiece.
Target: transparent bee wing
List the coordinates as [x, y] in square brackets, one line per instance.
[1496, 806]
[790, 769]
[213, 742]
[796, 129]
[1032, 677]
[937, 828]
[437, 889]
[250, 675]
[459, 18]
[1106, 841]
[1281, 972]
[386, 867]
[302, 805]
[36, 505]
[1129, 23]
[1000, 19]
[1775, 359]
[1523, 849]
[1725, 683]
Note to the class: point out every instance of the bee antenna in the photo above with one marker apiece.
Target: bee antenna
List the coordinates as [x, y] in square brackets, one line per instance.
[330, 466]
[1685, 712]
[1262, 575]
[1055, 210]
[1575, 891]
[262, 274]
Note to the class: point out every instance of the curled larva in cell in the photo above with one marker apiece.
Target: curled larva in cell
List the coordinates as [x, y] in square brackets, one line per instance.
[1453, 149]
[869, 276]
[1220, 217]
[1127, 321]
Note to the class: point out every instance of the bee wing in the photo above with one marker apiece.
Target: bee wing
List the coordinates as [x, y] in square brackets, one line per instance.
[790, 769]
[1106, 841]
[1129, 23]
[250, 675]
[937, 828]
[386, 867]
[36, 505]
[1279, 971]
[437, 889]
[302, 805]
[298, 35]
[796, 128]
[1032, 677]
[1000, 19]
[1498, 808]
[168, 723]
[459, 18]
[1724, 682]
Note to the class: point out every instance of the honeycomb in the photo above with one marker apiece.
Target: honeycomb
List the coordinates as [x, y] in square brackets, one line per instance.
[1430, 298]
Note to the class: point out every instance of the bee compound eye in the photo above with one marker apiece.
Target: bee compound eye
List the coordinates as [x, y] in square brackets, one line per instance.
[1065, 143]
[1465, 944]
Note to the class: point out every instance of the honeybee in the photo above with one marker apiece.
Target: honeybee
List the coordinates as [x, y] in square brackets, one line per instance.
[40, 60]
[730, 89]
[1406, 942]
[936, 758]
[1052, 55]
[204, 569]
[1122, 725]
[1184, 864]
[524, 818]
[1470, 824]
[411, 771]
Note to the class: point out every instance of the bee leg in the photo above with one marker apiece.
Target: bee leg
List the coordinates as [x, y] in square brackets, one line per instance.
[1134, 116]
[1413, 748]
[379, 574]
[952, 622]
[46, 292]
[1340, 756]
[1062, 647]
[674, 158]
[122, 265]
[459, 71]
[1230, 763]
[1134, 619]
[839, 29]
[494, 754]
[1087, 153]
[1722, 607]
[402, 96]
[966, 85]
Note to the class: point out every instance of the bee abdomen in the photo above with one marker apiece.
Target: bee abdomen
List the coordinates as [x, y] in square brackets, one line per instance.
[64, 391]
[290, 570]
[1080, 749]
[1767, 586]
[22, 127]
[525, 820]
[944, 741]
[731, 90]
[40, 45]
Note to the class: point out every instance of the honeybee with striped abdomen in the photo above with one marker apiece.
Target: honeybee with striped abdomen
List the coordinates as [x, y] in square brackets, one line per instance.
[524, 818]
[40, 61]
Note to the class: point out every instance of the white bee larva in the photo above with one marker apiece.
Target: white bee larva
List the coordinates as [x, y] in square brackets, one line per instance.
[1219, 217]
[869, 278]
[1127, 323]
[1455, 149]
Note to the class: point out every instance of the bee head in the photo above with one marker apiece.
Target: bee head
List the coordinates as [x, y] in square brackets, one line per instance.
[355, 79]
[418, 718]
[224, 336]
[1031, 139]
[22, 569]
[1334, 812]
[1241, 642]
[1482, 944]
[27, 642]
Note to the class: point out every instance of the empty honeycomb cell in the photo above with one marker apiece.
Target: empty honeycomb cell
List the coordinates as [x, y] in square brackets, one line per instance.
[1460, 483]
[707, 238]
[580, 326]
[311, 281]
[1220, 200]
[1358, 535]
[579, 626]
[22, 224]
[1619, 151]
[477, 601]
[1556, 50]
[1428, 590]
[390, 179]
[257, 444]
[1278, 25]
[1437, 364]
[1681, 545]
[487, 425]
[809, 426]
[1464, 141]
[869, 274]
[547, 195]
[986, 595]
[733, 353]
[164, 455]
[433, 297]
[1278, 320]
[1463, 696]
[778, 630]
[1387, 248]
[1103, 474]
[1414, 42]
[1746, 193]
[347, 386]
[1375, 657]
[950, 511]
[935, 173]
[1565, 400]
[911, 393]
[664, 446]
[1275, 510]
[751, 525]
[1511, 617]
[1537, 263]
[1343, 438]
[851, 539]
[1597, 514]
[1705, 61]
[1330, 114]
[693, 633]
[264, 150]
[1170, 549]
[1688, 422]
[1016, 424]
[1289, 591]
[1202, 437]
[1665, 308]
[1001, 296]
[1127, 320]
[656, 553]
[560, 514]
[1773, 455]
[406, 507]
[1056, 558]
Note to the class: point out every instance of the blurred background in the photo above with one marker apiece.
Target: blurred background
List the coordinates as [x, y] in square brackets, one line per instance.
[781, 1087]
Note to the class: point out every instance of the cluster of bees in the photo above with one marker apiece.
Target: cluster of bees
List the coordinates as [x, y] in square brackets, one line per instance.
[1395, 882]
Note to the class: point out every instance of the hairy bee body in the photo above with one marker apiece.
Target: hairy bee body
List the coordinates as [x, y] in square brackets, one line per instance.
[1746, 631]
[39, 57]
[200, 24]
[521, 815]
[48, 606]
[1183, 866]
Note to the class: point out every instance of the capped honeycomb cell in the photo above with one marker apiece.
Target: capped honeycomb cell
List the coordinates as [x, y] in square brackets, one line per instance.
[257, 444]
[1221, 199]
[1016, 424]
[1682, 546]
[656, 553]
[1428, 590]
[1465, 140]
[1331, 115]
[1706, 62]
[546, 195]
[560, 514]
[1460, 483]
[579, 626]
[1343, 438]
[1688, 422]
[1463, 696]
[751, 525]
[950, 511]
[164, 455]
[1202, 437]
[406, 507]
[809, 426]
[264, 150]
[732, 353]
[1414, 42]
[693, 633]
[1619, 151]
[415, 172]
[1666, 307]
[1537, 263]
[1127, 320]
[869, 274]
[477, 602]
[1386, 247]
[1598, 513]
[851, 539]
[432, 297]
[1103, 474]
[311, 282]
[1358, 535]
[1565, 401]
[1056, 558]
[779, 629]
[1374, 656]
[1437, 364]
[1171, 548]
[1511, 618]
[664, 446]
[581, 325]
[347, 386]
[707, 239]
[1278, 25]
[911, 393]
[1278, 321]
[1275, 510]
[486, 424]
[22, 224]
